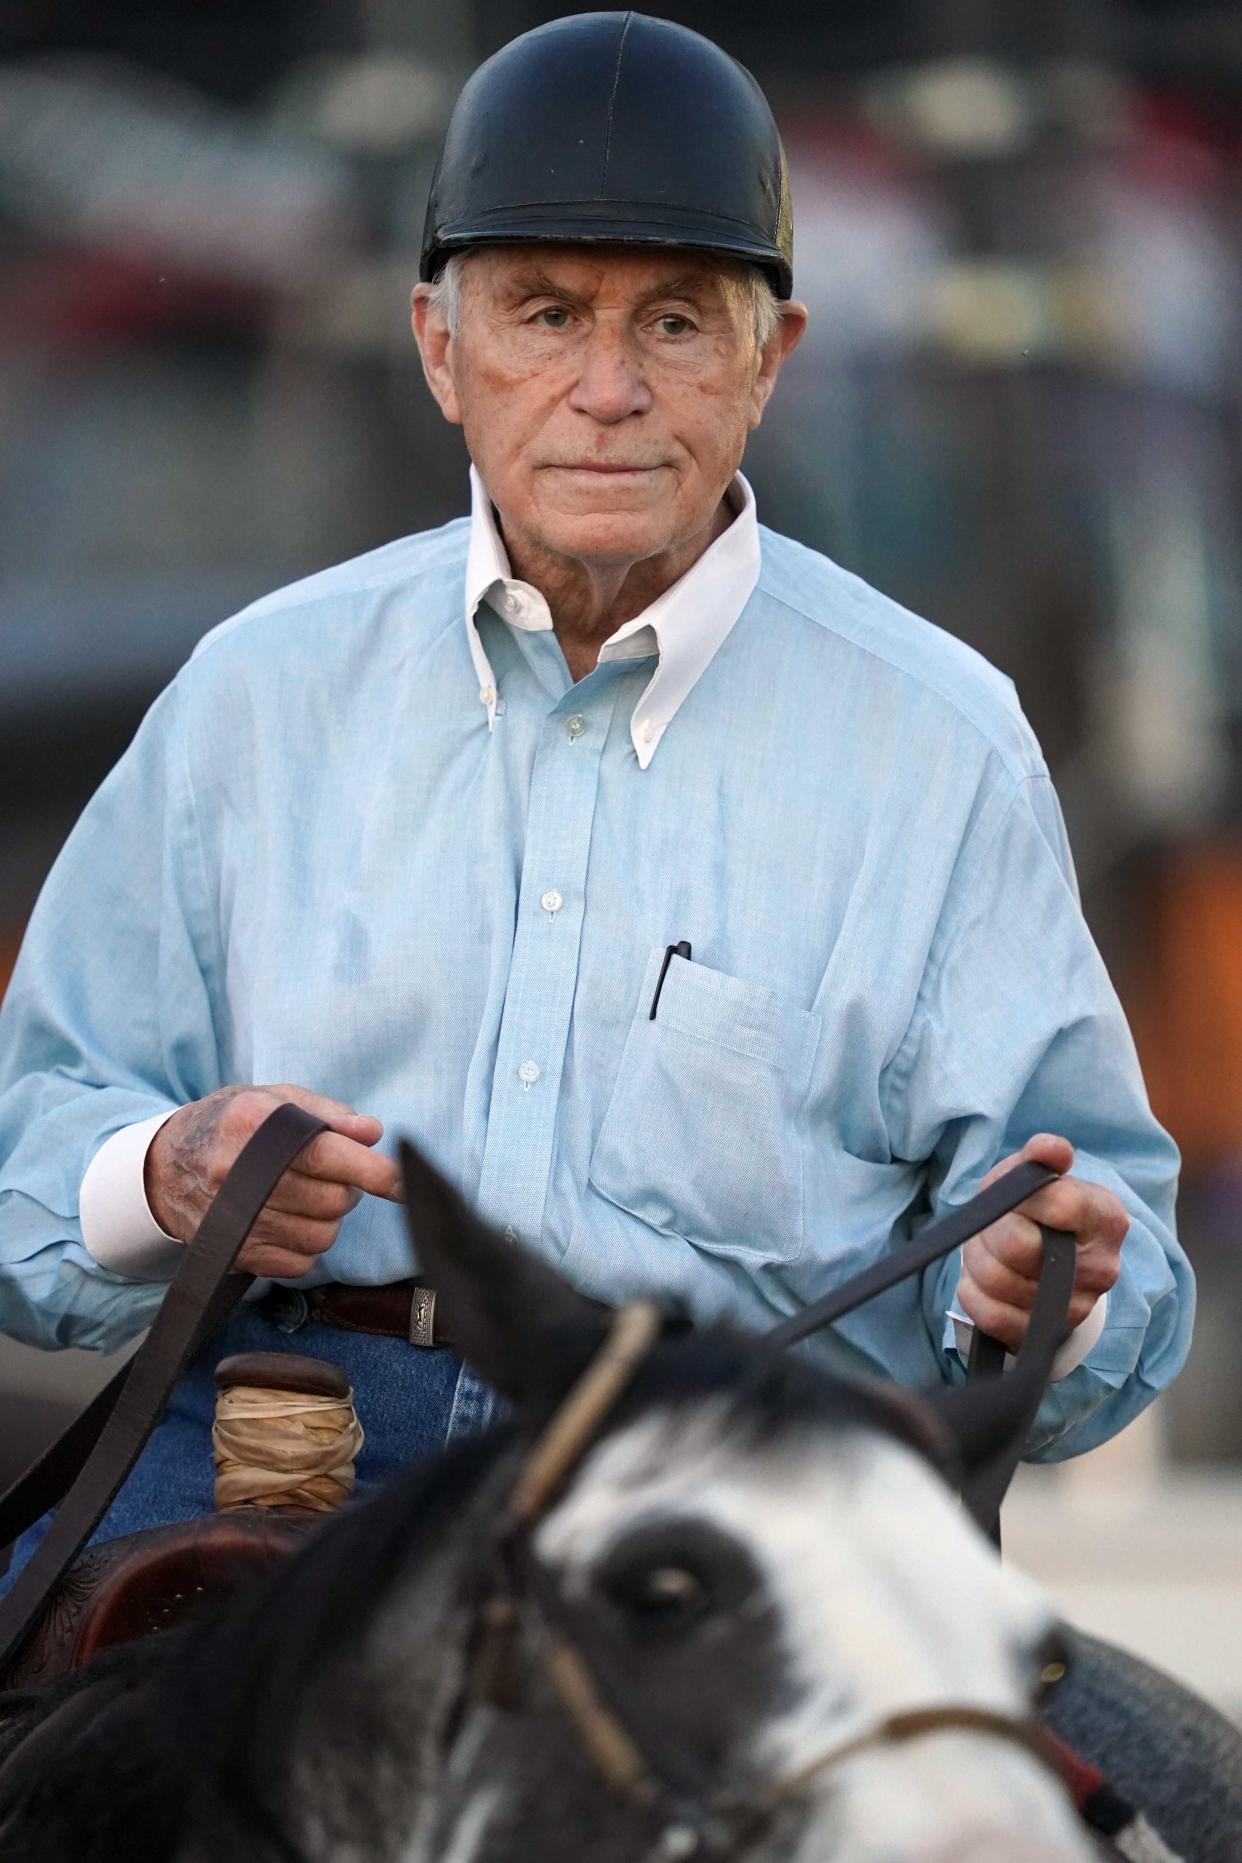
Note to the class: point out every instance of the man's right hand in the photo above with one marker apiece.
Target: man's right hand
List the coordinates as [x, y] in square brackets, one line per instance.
[191, 1154]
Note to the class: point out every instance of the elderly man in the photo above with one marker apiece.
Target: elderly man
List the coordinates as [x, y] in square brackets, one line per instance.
[705, 915]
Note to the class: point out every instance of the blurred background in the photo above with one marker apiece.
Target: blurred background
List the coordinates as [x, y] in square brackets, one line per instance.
[1020, 233]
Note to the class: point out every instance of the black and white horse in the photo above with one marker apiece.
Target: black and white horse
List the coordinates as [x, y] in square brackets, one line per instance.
[772, 1592]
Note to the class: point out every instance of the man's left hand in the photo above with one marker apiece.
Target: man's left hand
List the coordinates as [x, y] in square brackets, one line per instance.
[1000, 1266]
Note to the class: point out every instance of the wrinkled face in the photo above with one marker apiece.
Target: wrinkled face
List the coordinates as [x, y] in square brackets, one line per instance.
[752, 1611]
[606, 394]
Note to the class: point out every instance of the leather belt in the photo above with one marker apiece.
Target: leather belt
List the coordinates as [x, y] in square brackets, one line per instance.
[400, 1310]
[409, 1310]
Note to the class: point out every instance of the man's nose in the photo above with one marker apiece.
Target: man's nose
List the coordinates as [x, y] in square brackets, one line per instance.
[611, 384]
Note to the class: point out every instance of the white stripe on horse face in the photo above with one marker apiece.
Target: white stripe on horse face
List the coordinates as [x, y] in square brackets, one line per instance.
[888, 1598]
[471, 1828]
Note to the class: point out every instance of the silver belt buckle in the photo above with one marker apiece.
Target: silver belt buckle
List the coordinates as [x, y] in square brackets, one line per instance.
[423, 1317]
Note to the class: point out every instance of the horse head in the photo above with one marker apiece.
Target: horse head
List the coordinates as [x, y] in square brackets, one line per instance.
[745, 1618]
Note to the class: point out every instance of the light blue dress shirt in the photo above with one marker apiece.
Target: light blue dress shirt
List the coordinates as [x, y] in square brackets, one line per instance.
[375, 841]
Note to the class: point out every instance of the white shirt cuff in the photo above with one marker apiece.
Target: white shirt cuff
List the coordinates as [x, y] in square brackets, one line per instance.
[1071, 1353]
[117, 1225]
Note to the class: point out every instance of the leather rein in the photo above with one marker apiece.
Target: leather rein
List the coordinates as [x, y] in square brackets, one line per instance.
[690, 1823]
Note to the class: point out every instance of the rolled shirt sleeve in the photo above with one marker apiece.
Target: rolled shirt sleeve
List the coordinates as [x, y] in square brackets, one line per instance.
[1018, 1030]
[107, 1023]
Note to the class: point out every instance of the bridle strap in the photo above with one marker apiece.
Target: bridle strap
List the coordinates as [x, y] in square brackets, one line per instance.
[912, 1724]
[609, 1745]
[633, 1331]
[626, 1772]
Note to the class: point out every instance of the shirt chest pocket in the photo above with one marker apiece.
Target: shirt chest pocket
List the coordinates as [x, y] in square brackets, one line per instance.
[703, 1135]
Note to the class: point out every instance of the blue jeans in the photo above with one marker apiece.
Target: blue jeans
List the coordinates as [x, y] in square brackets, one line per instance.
[410, 1401]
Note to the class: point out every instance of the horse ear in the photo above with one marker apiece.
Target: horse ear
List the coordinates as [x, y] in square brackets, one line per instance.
[515, 1321]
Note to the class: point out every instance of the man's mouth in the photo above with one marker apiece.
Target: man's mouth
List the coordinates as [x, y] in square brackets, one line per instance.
[594, 465]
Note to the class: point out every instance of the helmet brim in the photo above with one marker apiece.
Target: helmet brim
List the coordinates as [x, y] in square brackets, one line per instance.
[609, 224]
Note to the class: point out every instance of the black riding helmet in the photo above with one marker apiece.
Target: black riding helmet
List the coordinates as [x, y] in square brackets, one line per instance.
[613, 127]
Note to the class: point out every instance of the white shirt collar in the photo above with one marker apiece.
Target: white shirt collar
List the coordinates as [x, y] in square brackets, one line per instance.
[684, 626]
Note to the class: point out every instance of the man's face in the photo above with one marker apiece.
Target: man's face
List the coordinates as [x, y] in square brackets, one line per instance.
[605, 394]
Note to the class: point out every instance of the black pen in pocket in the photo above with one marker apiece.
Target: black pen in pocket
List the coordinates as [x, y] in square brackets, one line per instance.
[681, 949]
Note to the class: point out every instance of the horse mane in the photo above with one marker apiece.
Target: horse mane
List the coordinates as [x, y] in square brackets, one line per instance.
[187, 1747]
[245, 1682]
[765, 1392]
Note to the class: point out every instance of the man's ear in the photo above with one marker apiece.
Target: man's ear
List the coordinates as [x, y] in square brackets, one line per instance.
[514, 1320]
[433, 336]
[780, 345]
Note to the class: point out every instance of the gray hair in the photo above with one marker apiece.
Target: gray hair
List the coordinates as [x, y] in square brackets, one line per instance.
[749, 284]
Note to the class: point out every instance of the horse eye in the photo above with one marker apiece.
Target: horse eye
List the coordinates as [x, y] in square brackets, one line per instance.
[658, 1596]
[671, 1577]
[668, 1591]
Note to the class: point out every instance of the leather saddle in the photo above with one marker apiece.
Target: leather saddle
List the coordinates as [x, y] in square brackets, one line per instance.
[151, 1581]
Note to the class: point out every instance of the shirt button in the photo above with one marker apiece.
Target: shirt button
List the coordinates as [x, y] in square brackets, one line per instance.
[512, 604]
[528, 1073]
[576, 725]
[486, 694]
[552, 901]
[647, 732]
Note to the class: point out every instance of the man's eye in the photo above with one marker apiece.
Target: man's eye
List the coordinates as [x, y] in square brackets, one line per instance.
[553, 317]
[674, 325]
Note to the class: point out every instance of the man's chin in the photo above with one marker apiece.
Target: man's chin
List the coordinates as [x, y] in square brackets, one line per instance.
[604, 536]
